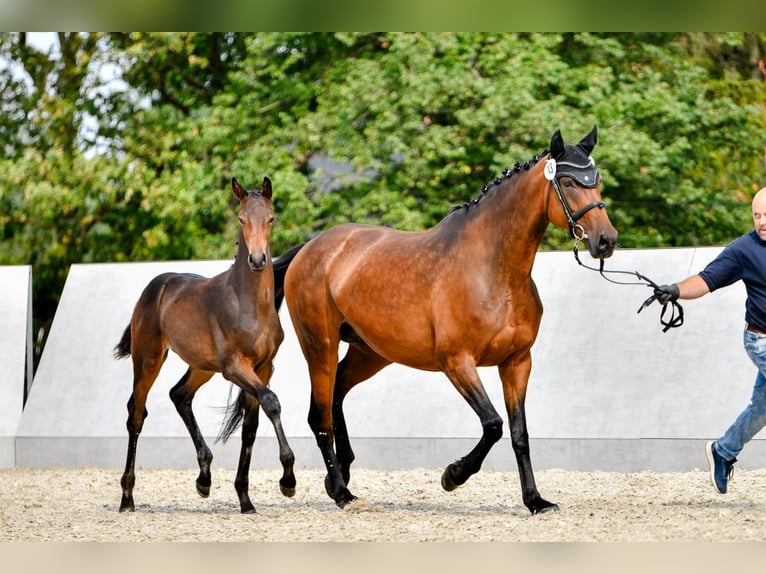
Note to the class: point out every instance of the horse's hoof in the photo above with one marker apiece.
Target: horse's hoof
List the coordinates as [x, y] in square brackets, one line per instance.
[126, 505]
[345, 500]
[203, 490]
[247, 508]
[550, 507]
[447, 483]
[356, 505]
[288, 491]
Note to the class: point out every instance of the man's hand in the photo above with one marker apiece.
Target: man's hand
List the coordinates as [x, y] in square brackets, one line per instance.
[666, 293]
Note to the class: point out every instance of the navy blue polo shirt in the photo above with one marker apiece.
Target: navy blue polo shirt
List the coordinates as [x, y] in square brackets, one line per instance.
[745, 259]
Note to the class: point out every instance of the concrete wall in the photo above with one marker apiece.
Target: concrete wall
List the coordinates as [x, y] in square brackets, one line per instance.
[15, 353]
[608, 389]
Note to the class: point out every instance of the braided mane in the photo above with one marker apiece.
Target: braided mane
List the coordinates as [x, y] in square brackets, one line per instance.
[506, 174]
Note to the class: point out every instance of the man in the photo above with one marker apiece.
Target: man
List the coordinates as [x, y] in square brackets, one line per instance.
[743, 259]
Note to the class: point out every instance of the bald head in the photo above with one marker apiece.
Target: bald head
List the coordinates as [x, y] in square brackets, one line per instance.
[759, 213]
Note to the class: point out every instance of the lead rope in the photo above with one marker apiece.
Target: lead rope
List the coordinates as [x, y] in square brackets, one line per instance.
[676, 311]
[578, 234]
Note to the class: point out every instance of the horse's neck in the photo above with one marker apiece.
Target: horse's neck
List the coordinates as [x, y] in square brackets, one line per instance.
[507, 226]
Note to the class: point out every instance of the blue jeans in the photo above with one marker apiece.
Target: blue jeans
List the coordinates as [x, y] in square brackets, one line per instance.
[753, 418]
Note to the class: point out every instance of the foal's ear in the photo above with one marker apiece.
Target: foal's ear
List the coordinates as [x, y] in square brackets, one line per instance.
[589, 142]
[266, 188]
[239, 192]
[557, 145]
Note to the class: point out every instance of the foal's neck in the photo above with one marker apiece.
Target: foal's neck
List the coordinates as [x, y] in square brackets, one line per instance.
[258, 286]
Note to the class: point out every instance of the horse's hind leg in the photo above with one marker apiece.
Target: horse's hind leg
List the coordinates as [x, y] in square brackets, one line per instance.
[462, 372]
[359, 364]
[182, 395]
[145, 371]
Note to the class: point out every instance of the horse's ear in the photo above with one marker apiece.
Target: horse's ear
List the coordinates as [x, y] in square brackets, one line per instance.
[239, 192]
[266, 188]
[557, 145]
[589, 142]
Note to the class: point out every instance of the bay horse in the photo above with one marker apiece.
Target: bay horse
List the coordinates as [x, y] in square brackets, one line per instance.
[227, 324]
[451, 298]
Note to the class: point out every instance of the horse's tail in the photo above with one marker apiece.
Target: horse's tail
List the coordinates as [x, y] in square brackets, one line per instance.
[280, 270]
[122, 349]
[235, 412]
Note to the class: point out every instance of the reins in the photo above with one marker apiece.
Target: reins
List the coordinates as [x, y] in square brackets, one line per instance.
[577, 232]
[676, 311]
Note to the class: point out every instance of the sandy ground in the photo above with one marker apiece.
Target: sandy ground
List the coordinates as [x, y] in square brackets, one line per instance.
[401, 506]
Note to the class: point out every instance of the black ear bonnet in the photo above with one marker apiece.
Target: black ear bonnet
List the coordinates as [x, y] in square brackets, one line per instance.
[573, 161]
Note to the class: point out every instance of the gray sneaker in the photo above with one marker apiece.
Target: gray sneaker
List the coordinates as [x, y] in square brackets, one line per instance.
[721, 470]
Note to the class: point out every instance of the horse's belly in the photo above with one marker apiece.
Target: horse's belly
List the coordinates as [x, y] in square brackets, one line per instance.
[404, 345]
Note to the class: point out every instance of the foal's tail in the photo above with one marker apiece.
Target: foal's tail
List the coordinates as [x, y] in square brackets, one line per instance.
[235, 410]
[122, 349]
[280, 270]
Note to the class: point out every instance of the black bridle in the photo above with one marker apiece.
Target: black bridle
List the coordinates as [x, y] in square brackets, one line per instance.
[578, 233]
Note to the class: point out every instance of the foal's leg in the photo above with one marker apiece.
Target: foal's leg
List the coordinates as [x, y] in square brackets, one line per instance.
[462, 372]
[249, 381]
[359, 364]
[249, 430]
[515, 376]
[182, 395]
[145, 370]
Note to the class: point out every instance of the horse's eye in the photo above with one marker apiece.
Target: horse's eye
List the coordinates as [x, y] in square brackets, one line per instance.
[567, 182]
[271, 220]
[241, 220]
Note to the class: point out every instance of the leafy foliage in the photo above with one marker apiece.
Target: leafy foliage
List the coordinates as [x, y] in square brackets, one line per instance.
[121, 147]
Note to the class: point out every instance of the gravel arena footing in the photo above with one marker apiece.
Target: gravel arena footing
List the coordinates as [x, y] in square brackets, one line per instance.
[81, 504]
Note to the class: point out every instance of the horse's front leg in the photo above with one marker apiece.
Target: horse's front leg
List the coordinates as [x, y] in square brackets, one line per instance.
[258, 393]
[461, 371]
[515, 375]
[270, 404]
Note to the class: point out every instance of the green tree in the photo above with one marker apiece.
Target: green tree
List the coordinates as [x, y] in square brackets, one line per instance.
[120, 147]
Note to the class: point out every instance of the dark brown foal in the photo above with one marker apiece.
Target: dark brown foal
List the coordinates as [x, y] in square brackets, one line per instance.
[227, 324]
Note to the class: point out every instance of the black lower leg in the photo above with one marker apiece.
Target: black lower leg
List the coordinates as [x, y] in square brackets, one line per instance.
[273, 409]
[461, 470]
[335, 485]
[183, 403]
[520, 441]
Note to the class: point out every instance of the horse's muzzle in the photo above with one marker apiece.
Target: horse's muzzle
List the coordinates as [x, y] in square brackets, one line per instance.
[257, 262]
[603, 246]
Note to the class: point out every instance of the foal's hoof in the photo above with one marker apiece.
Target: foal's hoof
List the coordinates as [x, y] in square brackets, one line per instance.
[126, 505]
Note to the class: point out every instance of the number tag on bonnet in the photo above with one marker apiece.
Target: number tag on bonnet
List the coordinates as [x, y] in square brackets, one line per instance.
[550, 169]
